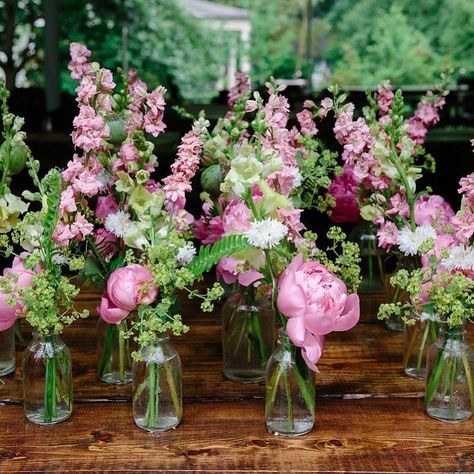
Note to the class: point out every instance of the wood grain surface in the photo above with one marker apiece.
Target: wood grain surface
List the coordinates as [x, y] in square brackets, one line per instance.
[370, 416]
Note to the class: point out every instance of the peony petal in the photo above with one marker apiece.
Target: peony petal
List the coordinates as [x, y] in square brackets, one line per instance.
[109, 312]
[291, 297]
[296, 330]
[312, 350]
[350, 315]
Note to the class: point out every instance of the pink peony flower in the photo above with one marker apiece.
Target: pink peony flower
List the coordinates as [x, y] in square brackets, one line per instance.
[344, 190]
[8, 314]
[230, 270]
[316, 303]
[105, 205]
[109, 312]
[129, 287]
[434, 211]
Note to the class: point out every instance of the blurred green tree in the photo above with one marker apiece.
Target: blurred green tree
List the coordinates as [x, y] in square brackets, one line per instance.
[20, 29]
[402, 54]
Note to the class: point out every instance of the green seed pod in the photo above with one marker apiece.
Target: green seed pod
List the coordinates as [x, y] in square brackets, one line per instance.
[211, 179]
[18, 156]
[117, 132]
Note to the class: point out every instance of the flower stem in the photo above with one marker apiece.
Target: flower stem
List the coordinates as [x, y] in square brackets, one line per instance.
[50, 385]
[121, 338]
[151, 416]
[105, 359]
[173, 391]
[289, 399]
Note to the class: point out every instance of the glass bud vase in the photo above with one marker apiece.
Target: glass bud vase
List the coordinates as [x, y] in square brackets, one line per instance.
[47, 380]
[248, 336]
[157, 388]
[449, 394]
[418, 338]
[114, 352]
[371, 265]
[290, 391]
[7, 351]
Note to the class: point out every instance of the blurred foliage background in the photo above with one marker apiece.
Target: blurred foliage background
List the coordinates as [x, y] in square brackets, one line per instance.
[353, 42]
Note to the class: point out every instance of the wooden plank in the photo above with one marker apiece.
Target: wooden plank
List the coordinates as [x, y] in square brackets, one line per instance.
[383, 435]
[364, 362]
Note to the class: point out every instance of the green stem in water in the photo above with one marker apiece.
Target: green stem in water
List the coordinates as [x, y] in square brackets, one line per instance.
[151, 416]
[121, 373]
[272, 388]
[371, 270]
[50, 384]
[467, 369]
[289, 399]
[173, 391]
[423, 344]
[306, 390]
[105, 359]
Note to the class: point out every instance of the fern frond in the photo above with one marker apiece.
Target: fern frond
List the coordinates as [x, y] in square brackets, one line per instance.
[210, 255]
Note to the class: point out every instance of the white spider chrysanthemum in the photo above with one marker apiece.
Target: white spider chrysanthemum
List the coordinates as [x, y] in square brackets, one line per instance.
[410, 241]
[118, 223]
[266, 234]
[459, 258]
[297, 178]
[186, 254]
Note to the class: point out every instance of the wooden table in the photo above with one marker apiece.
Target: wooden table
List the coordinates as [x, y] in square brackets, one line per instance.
[370, 416]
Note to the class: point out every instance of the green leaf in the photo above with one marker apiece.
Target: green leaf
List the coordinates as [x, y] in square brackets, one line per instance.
[210, 255]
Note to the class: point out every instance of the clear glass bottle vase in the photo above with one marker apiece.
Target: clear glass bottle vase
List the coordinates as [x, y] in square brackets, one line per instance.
[372, 265]
[290, 391]
[47, 380]
[248, 336]
[114, 352]
[157, 387]
[449, 394]
[418, 338]
[7, 351]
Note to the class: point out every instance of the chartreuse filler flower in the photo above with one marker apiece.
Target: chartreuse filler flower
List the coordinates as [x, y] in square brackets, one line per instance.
[444, 290]
[254, 186]
[261, 230]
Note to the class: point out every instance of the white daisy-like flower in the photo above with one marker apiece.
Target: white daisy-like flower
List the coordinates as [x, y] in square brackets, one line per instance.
[118, 223]
[60, 259]
[266, 234]
[410, 241]
[459, 258]
[297, 178]
[186, 254]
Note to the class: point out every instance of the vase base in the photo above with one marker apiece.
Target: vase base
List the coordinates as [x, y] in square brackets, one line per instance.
[445, 414]
[7, 368]
[37, 417]
[415, 373]
[165, 424]
[280, 427]
[114, 379]
[245, 376]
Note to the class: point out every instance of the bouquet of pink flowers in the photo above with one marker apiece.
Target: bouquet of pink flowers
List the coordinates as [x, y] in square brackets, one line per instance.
[136, 230]
[442, 293]
[252, 221]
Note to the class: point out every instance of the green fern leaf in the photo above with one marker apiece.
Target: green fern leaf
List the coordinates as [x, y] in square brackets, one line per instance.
[210, 255]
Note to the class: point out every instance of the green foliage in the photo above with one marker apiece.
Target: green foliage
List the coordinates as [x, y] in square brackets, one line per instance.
[400, 40]
[210, 255]
[165, 43]
[394, 50]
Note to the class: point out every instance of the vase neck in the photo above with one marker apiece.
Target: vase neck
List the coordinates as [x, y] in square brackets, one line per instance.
[458, 331]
